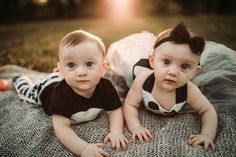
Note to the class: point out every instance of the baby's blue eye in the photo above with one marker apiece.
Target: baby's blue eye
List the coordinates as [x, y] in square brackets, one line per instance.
[89, 64]
[166, 62]
[185, 66]
[71, 65]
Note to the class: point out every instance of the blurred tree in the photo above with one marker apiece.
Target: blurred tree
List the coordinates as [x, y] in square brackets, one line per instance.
[11, 10]
[56, 7]
[159, 6]
[188, 6]
[220, 6]
[88, 8]
[62, 8]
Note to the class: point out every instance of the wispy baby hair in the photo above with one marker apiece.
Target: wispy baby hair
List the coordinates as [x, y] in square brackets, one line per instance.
[76, 37]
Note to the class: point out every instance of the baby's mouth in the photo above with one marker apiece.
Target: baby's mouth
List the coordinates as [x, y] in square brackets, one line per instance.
[82, 81]
[169, 81]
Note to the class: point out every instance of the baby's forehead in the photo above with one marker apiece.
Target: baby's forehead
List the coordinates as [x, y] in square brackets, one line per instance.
[178, 51]
[175, 47]
[86, 44]
[172, 46]
[82, 51]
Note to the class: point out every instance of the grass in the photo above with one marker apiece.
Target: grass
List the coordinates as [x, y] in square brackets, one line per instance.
[34, 44]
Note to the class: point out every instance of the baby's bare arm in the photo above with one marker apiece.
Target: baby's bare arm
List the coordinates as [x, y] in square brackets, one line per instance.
[130, 109]
[70, 140]
[132, 102]
[207, 112]
[116, 125]
[116, 120]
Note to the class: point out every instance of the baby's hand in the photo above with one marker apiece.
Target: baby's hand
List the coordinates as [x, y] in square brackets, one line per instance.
[141, 133]
[117, 139]
[196, 139]
[94, 150]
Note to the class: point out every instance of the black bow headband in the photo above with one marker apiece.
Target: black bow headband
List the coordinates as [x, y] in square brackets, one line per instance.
[180, 35]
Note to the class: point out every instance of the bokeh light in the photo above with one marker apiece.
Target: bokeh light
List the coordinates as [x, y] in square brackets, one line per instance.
[40, 2]
[121, 9]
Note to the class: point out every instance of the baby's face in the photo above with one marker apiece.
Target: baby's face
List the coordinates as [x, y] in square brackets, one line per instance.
[174, 64]
[82, 67]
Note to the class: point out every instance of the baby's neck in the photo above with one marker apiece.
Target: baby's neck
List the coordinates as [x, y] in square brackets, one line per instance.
[165, 98]
[157, 92]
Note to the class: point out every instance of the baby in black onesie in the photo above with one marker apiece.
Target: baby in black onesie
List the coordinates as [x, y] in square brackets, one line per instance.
[77, 93]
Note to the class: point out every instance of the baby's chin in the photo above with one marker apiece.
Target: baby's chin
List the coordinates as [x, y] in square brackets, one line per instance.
[168, 87]
[84, 90]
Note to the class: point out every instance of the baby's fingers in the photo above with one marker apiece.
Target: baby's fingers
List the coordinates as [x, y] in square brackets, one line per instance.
[192, 136]
[106, 139]
[149, 133]
[192, 139]
[133, 137]
[212, 146]
[140, 137]
[196, 142]
[145, 136]
[206, 145]
[104, 153]
[124, 143]
[117, 144]
[100, 145]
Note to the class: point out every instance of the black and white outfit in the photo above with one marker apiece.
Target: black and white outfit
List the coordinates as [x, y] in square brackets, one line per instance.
[57, 97]
[149, 101]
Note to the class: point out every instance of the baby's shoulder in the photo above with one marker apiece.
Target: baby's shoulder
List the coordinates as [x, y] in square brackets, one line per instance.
[191, 87]
[144, 75]
[140, 79]
[193, 92]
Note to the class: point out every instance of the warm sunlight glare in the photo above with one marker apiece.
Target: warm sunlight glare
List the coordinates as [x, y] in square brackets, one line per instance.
[40, 1]
[120, 9]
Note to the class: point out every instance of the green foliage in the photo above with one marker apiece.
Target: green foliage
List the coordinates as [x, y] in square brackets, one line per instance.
[34, 44]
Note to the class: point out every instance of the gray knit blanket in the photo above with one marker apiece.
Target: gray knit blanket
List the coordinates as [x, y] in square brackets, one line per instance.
[25, 130]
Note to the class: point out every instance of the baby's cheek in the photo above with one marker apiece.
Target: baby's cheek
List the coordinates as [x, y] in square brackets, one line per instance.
[96, 77]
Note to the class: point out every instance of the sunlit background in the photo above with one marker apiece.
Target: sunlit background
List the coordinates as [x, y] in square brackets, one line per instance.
[31, 29]
[120, 9]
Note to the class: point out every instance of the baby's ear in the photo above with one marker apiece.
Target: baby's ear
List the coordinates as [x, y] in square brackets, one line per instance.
[59, 69]
[104, 67]
[197, 70]
[151, 60]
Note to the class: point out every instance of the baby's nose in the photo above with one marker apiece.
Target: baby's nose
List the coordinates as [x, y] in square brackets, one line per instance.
[173, 71]
[81, 72]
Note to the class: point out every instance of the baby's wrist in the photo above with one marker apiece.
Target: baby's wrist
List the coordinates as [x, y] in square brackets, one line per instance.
[84, 147]
[205, 134]
[116, 131]
[136, 129]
